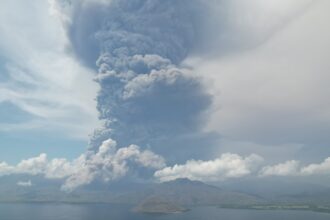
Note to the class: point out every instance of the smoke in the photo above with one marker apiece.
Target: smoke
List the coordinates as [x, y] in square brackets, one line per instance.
[147, 97]
[109, 163]
[145, 94]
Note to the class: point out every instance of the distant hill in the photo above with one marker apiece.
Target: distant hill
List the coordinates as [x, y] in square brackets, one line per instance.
[274, 188]
[191, 193]
[321, 198]
[183, 192]
[167, 197]
[156, 205]
[173, 196]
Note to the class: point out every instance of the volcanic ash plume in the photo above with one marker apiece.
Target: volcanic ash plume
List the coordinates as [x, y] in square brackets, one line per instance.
[146, 97]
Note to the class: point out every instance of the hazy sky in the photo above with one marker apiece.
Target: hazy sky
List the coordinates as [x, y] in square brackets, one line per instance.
[162, 89]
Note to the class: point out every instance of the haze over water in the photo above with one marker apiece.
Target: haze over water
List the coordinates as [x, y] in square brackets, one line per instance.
[120, 212]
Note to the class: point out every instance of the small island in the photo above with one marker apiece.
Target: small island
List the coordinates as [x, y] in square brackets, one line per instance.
[158, 205]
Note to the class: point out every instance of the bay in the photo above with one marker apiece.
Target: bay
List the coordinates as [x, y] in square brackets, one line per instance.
[52, 211]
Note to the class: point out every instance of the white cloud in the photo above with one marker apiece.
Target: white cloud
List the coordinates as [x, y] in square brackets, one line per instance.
[294, 168]
[24, 184]
[315, 169]
[225, 167]
[5, 169]
[109, 163]
[284, 169]
[44, 79]
[275, 93]
[238, 25]
[33, 166]
[58, 168]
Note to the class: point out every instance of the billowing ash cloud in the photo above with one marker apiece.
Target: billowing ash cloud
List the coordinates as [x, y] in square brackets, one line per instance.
[147, 97]
[109, 163]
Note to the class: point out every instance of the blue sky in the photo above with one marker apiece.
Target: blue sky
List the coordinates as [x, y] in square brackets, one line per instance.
[40, 96]
[24, 144]
[97, 82]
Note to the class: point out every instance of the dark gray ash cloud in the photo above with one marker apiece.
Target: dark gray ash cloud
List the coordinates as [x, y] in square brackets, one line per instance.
[146, 96]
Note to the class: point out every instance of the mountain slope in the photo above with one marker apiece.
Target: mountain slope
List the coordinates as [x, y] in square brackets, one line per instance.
[186, 192]
[181, 191]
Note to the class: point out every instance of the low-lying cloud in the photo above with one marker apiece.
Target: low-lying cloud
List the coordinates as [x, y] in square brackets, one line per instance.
[295, 168]
[225, 167]
[108, 163]
[24, 184]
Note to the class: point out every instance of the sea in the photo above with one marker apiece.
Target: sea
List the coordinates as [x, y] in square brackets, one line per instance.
[52, 211]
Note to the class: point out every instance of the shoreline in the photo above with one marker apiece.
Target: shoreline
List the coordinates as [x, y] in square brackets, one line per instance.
[281, 207]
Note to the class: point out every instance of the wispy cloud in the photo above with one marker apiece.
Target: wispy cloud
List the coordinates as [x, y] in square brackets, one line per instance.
[25, 184]
[42, 77]
[274, 94]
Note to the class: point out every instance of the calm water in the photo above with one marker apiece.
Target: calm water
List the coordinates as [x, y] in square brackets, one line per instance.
[116, 212]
